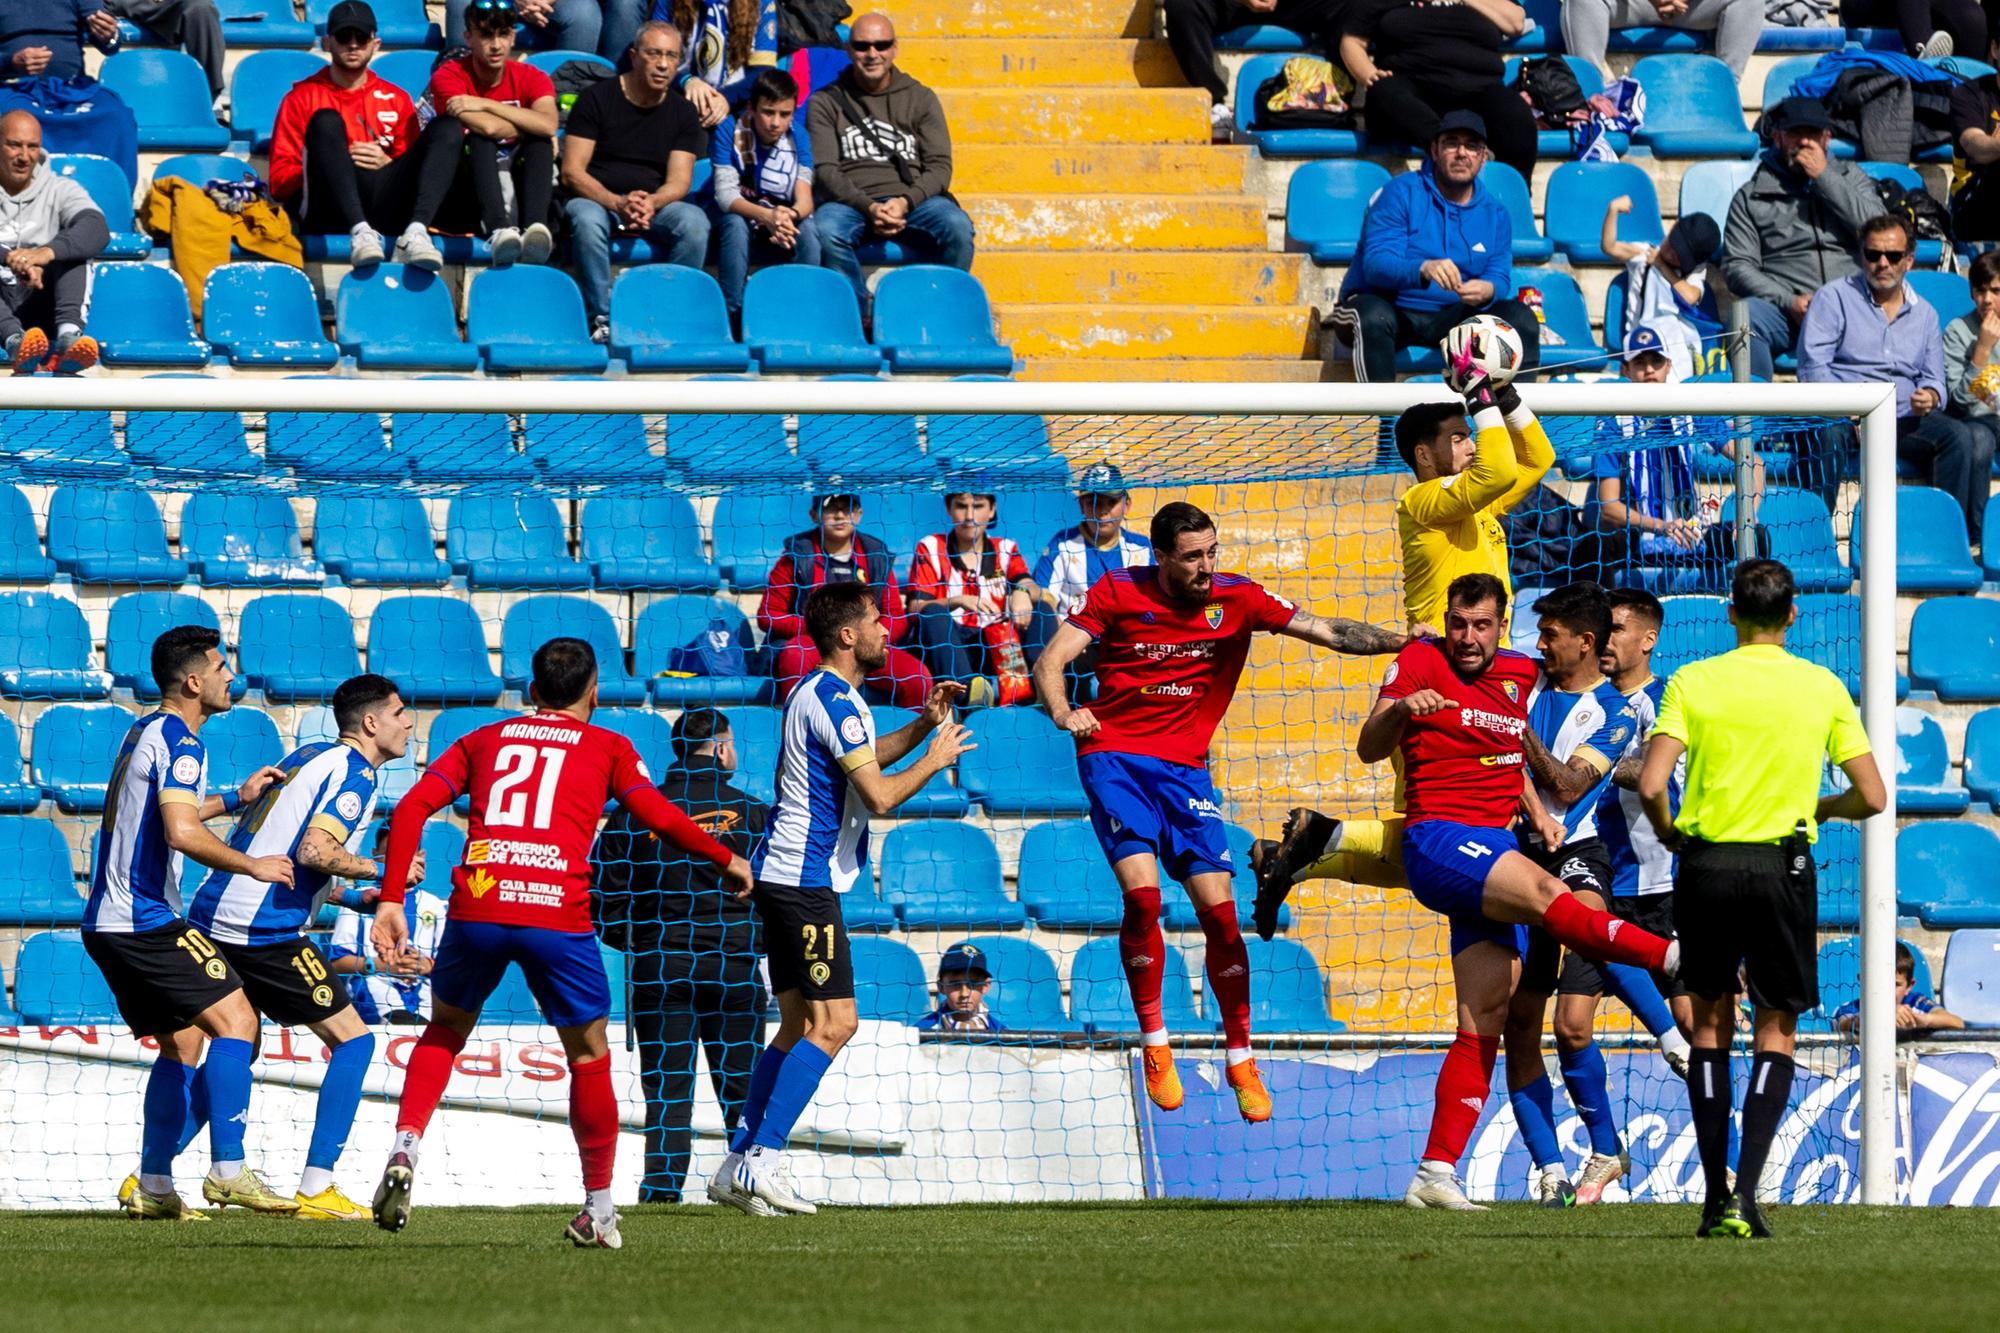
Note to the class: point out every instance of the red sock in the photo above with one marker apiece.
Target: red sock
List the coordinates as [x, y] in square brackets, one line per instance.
[593, 1119]
[1228, 971]
[1602, 936]
[1462, 1086]
[1143, 951]
[429, 1070]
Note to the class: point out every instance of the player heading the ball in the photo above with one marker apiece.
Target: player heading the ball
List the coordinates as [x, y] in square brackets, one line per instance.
[538, 785]
[1171, 641]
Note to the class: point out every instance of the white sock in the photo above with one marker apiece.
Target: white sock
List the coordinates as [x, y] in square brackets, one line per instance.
[68, 330]
[1430, 1168]
[1673, 1043]
[599, 1204]
[1155, 1038]
[1239, 1055]
[407, 1143]
[226, 1171]
[156, 1184]
[315, 1180]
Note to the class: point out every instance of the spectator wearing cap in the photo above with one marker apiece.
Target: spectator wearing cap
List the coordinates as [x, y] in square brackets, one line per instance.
[1737, 24]
[836, 551]
[347, 154]
[962, 981]
[1421, 61]
[1975, 137]
[1870, 327]
[1437, 248]
[1793, 228]
[1078, 556]
[1666, 289]
[508, 108]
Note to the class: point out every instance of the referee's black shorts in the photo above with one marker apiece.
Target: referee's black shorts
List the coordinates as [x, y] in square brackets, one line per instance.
[1739, 906]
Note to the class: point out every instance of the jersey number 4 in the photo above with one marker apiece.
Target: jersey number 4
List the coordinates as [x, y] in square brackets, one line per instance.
[517, 765]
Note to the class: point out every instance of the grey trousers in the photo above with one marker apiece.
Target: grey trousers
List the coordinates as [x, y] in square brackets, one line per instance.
[192, 25]
[1587, 26]
[59, 301]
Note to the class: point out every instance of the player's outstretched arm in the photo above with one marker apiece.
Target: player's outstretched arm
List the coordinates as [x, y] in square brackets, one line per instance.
[671, 822]
[883, 792]
[939, 708]
[1345, 636]
[187, 835]
[1383, 730]
[406, 836]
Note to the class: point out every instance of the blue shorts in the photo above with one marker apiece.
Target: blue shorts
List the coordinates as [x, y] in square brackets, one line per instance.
[1446, 865]
[564, 971]
[1139, 804]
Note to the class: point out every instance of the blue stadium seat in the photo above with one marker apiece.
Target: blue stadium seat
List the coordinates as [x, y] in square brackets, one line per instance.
[1026, 994]
[72, 753]
[37, 888]
[1696, 627]
[665, 317]
[646, 543]
[394, 317]
[528, 318]
[297, 647]
[1933, 553]
[56, 982]
[1099, 999]
[21, 558]
[936, 798]
[533, 621]
[944, 875]
[1178, 909]
[757, 733]
[1530, 246]
[852, 449]
[1949, 293]
[548, 62]
[453, 724]
[1023, 765]
[889, 980]
[1828, 631]
[246, 540]
[201, 168]
[59, 445]
[1839, 982]
[408, 70]
[209, 443]
[139, 316]
[1573, 208]
[932, 319]
[574, 448]
[1955, 648]
[1948, 874]
[671, 624]
[651, 734]
[378, 538]
[1837, 855]
[111, 190]
[1031, 516]
[45, 649]
[1556, 145]
[397, 23]
[1566, 335]
[239, 742]
[459, 446]
[257, 86]
[397, 776]
[1708, 187]
[1287, 990]
[1982, 756]
[804, 321]
[1924, 781]
[734, 449]
[991, 449]
[434, 648]
[1066, 884]
[16, 796]
[1929, 250]
[1693, 108]
[110, 535]
[1778, 80]
[1972, 977]
[1283, 143]
[1801, 533]
[258, 23]
[862, 911]
[1989, 560]
[265, 314]
[1262, 37]
[750, 531]
[511, 541]
[339, 446]
[137, 619]
[169, 98]
[1325, 204]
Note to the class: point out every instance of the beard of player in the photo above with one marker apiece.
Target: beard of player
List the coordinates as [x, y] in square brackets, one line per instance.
[1472, 637]
[1187, 574]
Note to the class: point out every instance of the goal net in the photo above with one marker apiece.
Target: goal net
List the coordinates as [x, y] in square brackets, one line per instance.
[437, 532]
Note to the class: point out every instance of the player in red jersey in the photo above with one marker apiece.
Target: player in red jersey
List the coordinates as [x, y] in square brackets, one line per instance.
[1171, 640]
[538, 785]
[1458, 710]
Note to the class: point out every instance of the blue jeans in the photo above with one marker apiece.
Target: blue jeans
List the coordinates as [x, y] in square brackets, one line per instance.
[937, 223]
[1771, 334]
[621, 26]
[741, 246]
[682, 227]
[572, 26]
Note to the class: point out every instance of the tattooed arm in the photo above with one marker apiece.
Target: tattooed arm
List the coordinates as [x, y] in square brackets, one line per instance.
[1344, 636]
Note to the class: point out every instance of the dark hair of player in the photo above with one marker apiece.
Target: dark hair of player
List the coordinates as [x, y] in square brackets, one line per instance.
[697, 726]
[1640, 602]
[1469, 590]
[1581, 608]
[1886, 222]
[1762, 594]
[180, 652]
[564, 669]
[357, 698]
[1175, 520]
[1423, 424]
[774, 85]
[1985, 271]
[831, 608]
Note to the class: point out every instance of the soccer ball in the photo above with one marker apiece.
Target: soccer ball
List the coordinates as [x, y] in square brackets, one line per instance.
[1484, 343]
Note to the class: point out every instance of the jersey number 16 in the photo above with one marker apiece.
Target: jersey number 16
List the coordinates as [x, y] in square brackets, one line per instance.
[507, 803]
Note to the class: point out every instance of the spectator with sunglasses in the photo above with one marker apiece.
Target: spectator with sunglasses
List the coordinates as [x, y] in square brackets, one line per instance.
[508, 108]
[882, 161]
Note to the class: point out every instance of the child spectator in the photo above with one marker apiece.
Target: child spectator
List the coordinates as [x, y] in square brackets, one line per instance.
[763, 187]
[972, 596]
[1972, 381]
[1915, 1011]
[508, 108]
[1666, 289]
[962, 979]
[388, 990]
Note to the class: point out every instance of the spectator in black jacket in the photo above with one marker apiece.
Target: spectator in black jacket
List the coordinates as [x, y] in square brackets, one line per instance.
[691, 948]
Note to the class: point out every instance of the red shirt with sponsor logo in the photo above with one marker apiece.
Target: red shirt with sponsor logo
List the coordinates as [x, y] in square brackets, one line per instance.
[1463, 764]
[1166, 669]
[538, 785]
[520, 84]
[374, 109]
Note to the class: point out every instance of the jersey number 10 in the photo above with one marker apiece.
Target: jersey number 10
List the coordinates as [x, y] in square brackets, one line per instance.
[507, 803]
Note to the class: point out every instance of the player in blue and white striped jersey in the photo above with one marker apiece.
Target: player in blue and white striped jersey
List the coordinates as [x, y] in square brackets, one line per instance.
[170, 980]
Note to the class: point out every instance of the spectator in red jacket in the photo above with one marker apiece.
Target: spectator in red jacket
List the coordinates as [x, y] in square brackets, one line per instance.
[972, 598]
[835, 552]
[346, 154]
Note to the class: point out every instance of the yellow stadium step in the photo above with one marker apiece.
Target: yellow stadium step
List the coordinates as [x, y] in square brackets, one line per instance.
[1012, 18]
[1076, 115]
[1149, 333]
[1260, 370]
[1115, 221]
[1041, 168]
[1141, 277]
[1041, 62]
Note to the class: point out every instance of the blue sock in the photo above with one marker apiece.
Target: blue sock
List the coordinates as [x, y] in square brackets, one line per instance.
[339, 1099]
[1635, 986]
[798, 1078]
[197, 1107]
[763, 1078]
[228, 1070]
[1535, 1114]
[166, 1108]
[1584, 1076]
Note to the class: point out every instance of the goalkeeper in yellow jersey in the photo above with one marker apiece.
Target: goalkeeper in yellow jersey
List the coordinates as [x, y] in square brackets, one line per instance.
[1449, 523]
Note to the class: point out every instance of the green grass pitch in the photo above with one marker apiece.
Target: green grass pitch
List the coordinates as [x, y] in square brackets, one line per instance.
[1027, 1268]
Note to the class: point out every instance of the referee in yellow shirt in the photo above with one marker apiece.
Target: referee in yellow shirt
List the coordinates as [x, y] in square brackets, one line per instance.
[1757, 726]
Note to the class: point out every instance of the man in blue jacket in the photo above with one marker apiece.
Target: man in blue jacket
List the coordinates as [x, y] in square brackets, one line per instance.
[1437, 248]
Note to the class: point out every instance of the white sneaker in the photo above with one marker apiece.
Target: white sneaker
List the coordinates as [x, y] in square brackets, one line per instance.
[414, 248]
[364, 248]
[722, 1189]
[762, 1175]
[1439, 1187]
[506, 246]
[1938, 47]
[1221, 123]
[537, 244]
[1598, 1172]
[600, 329]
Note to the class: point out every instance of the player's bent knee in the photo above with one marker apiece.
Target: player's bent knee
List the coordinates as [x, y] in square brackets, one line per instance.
[344, 1026]
[833, 1025]
[230, 1017]
[184, 1046]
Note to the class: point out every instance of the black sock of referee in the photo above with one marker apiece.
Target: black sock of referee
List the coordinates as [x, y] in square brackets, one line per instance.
[1709, 1096]
[1763, 1110]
